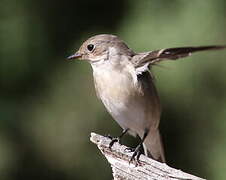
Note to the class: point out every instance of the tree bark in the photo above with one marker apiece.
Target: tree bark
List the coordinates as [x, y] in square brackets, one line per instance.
[146, 169]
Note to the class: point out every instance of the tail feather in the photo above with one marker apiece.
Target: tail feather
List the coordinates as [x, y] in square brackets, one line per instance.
[153, 146]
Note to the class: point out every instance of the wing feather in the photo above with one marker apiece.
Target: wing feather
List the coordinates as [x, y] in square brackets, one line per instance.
[153, 57]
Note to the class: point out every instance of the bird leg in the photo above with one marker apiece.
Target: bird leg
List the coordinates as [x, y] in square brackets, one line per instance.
[117, 139]
[139, 149]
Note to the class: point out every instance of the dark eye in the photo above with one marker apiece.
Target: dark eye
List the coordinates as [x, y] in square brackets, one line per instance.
[90, 47]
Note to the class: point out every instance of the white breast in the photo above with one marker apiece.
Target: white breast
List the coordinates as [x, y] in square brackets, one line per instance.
[118, 88]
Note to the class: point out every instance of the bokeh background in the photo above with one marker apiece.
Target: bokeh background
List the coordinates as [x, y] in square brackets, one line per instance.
[48, 105]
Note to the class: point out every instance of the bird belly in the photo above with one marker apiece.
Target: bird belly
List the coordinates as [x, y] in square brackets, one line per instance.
[122, 98]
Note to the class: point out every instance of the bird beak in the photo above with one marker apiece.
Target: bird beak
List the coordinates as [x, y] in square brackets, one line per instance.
[75, 56]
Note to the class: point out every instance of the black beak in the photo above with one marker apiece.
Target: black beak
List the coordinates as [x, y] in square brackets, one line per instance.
[74, 56]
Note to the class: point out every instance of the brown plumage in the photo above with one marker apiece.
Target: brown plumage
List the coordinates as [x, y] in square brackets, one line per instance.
[126, 88]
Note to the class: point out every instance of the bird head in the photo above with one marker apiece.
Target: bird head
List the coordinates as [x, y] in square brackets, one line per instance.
[101, 47]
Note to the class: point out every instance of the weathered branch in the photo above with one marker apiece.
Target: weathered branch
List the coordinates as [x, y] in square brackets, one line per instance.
[147, 169]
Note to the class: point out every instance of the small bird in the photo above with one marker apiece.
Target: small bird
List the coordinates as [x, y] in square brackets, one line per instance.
[125, 85]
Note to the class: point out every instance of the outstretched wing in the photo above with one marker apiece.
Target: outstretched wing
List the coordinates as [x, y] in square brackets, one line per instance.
[153, 57]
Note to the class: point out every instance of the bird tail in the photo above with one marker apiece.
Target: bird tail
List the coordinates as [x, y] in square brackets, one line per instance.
[153, 146]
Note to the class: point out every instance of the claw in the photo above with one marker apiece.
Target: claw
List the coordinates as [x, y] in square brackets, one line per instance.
[136, 153]
[113, 141]
[116, 139]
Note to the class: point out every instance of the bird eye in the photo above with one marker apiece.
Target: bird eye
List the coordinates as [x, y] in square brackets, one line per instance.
[90, 47]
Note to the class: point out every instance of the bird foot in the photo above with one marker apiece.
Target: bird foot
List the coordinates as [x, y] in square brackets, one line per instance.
[136, 153]
[113, 140]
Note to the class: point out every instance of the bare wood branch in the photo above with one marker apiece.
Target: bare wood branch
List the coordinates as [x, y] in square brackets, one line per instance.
[147, 169]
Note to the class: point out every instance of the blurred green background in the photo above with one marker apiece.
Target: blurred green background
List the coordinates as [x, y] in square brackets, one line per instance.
[48, 105]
